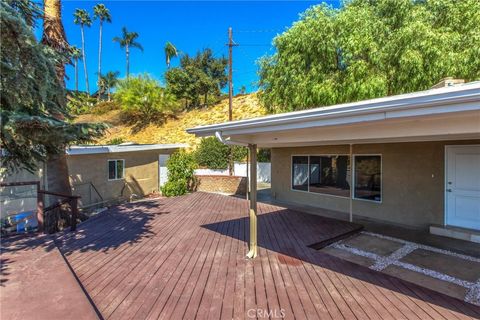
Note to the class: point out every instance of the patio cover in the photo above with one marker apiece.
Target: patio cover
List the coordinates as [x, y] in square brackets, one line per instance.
[451, 113]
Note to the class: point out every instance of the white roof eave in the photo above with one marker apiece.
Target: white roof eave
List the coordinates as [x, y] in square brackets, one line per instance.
[83, 150]
[445, 100]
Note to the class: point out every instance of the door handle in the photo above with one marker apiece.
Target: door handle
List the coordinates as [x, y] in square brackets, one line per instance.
[449, 190]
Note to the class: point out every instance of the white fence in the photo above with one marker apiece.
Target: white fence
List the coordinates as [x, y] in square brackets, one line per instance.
[240, 169]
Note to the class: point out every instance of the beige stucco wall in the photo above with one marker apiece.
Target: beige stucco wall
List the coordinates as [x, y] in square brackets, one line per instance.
[141, 175]
[412, 181]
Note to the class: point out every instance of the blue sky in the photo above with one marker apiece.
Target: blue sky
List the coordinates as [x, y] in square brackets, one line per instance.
[191, 26]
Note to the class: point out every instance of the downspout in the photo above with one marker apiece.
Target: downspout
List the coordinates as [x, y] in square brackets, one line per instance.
[218, 135]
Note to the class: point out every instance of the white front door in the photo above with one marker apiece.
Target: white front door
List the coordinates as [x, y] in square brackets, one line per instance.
[162, 169]
[462, 192]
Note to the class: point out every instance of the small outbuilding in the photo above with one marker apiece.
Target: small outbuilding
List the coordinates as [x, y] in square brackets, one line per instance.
[100, 174]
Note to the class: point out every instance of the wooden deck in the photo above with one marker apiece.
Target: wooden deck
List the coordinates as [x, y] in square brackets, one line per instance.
[185, 258]
[36, 282]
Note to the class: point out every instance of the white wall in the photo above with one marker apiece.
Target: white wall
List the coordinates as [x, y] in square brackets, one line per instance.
[240, 169]
[20, 198]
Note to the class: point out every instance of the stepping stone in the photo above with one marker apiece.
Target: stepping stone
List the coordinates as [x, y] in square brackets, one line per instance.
[379, 246]
[423, 280]
[348, 256]
[453, 266]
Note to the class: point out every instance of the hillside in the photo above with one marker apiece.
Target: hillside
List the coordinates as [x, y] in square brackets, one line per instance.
[173, 130]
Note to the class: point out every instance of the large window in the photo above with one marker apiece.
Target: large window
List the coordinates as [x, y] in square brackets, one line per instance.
[330, 175]
[368, 178]
[322, 174]
[116, 169]
[300, 173]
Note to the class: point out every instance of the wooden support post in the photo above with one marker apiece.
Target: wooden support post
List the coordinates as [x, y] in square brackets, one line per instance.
[74, 207]
[253, 201]
[40, 205]
[350, 215]
[247, 193]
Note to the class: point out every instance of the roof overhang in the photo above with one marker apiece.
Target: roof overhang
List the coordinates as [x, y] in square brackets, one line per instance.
[438, 114]
[83, 150]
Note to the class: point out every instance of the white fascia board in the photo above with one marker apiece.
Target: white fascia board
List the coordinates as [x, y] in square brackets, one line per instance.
[82, 150]
[361, 118]
[453, 99]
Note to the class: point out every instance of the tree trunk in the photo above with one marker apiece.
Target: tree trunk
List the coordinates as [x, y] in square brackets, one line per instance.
[205, 99]
[109, 95]
[57, 174]
[99, 59]
[84, 61]
[54, 34]
[76, 75]
[127, 54]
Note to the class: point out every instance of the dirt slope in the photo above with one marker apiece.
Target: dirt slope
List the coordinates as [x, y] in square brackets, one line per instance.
[173, 131]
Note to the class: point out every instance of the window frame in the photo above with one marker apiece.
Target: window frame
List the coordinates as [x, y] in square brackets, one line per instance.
[381, 176]
[308, 155]
[116, 169]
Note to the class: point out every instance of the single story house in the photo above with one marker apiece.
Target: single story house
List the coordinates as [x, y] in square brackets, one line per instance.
[100, 174]
[410, 159]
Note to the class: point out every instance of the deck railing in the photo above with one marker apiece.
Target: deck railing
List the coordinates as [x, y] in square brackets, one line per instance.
[51, 213]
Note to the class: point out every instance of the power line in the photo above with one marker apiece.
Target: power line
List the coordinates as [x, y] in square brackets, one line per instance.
[259, 31]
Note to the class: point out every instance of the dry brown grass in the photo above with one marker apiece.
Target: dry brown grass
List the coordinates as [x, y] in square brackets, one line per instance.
[173, 130]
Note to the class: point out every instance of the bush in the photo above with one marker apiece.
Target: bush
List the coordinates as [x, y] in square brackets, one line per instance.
[174, 188]
[181, 167]
[116, 141]
[263, 155]
[80, 102]
[239, 153]
[143, 97]
[213, 154]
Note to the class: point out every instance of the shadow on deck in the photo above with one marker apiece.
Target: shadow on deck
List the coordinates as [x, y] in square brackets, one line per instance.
[184, 257]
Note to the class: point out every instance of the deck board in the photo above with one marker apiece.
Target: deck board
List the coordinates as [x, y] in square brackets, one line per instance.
[184, 258]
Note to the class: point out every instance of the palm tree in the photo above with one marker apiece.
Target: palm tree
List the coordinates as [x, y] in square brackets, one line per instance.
[54, 37]
[54, 34]
[127, 41]
[107, 82]
[82, 18]
[170, 52]
[101, 13]
[76, 54]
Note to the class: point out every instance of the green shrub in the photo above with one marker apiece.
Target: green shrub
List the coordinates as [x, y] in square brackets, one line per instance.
[116, 141]
[263, 155]
[239, 153]
[181, 167]
[143, 97]
[213, 154]
[174, 188]
[80, 102]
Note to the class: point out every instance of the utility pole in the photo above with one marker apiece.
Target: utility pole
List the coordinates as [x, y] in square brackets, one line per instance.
[230, 45]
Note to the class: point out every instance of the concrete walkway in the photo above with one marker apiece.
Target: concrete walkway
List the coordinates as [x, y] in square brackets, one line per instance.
[36, 282]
